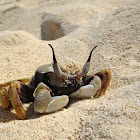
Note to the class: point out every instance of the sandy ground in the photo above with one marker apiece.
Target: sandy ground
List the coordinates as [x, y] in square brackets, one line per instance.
[73, 28]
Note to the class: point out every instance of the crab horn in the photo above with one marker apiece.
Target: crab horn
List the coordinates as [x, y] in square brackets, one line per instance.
[54, 58]
[56, 67]
[87, 65]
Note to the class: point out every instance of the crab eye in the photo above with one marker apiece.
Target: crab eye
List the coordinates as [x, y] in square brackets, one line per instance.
[86, 66]
[56, 67]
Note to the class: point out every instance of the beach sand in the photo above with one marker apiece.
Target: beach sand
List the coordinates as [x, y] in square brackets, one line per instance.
[74, 28]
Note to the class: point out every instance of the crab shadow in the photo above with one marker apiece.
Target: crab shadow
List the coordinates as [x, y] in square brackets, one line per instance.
[32, 115]
[8, 115]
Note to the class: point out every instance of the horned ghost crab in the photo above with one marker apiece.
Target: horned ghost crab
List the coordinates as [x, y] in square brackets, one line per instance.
[50, 88]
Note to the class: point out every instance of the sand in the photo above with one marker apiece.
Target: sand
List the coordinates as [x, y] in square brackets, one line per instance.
[74, 28]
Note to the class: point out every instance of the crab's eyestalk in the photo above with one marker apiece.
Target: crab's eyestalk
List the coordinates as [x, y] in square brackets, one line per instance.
[86, 66]
[56, 67]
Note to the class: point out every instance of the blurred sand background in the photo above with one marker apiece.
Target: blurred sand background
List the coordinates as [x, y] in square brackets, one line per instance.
[73, 27]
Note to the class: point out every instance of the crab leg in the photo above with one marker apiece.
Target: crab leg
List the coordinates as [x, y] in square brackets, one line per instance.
[105, 77]
[18, 90]
[15, 99]
[4, 96]
[56, 67]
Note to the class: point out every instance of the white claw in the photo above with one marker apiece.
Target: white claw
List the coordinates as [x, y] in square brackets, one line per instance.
[96, 82]
[88, 90]
[57, 103]
[84, 92]
[42, 98]
[44, 102]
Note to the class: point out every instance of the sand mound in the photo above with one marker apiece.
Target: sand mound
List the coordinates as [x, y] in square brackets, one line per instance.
[73, 28]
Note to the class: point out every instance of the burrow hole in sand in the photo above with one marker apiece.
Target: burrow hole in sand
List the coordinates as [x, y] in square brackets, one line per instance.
[51, 30]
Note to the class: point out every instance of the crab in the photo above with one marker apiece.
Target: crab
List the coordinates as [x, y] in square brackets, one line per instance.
[50, 88]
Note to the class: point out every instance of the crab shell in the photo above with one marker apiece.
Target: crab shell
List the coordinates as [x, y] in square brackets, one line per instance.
[44, 102]
[58, 85]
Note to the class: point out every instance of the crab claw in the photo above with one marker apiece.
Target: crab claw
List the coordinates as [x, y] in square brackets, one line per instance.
[86, 66]
[89, 90]
[56, 67]
[42, 97]
[44, 102]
